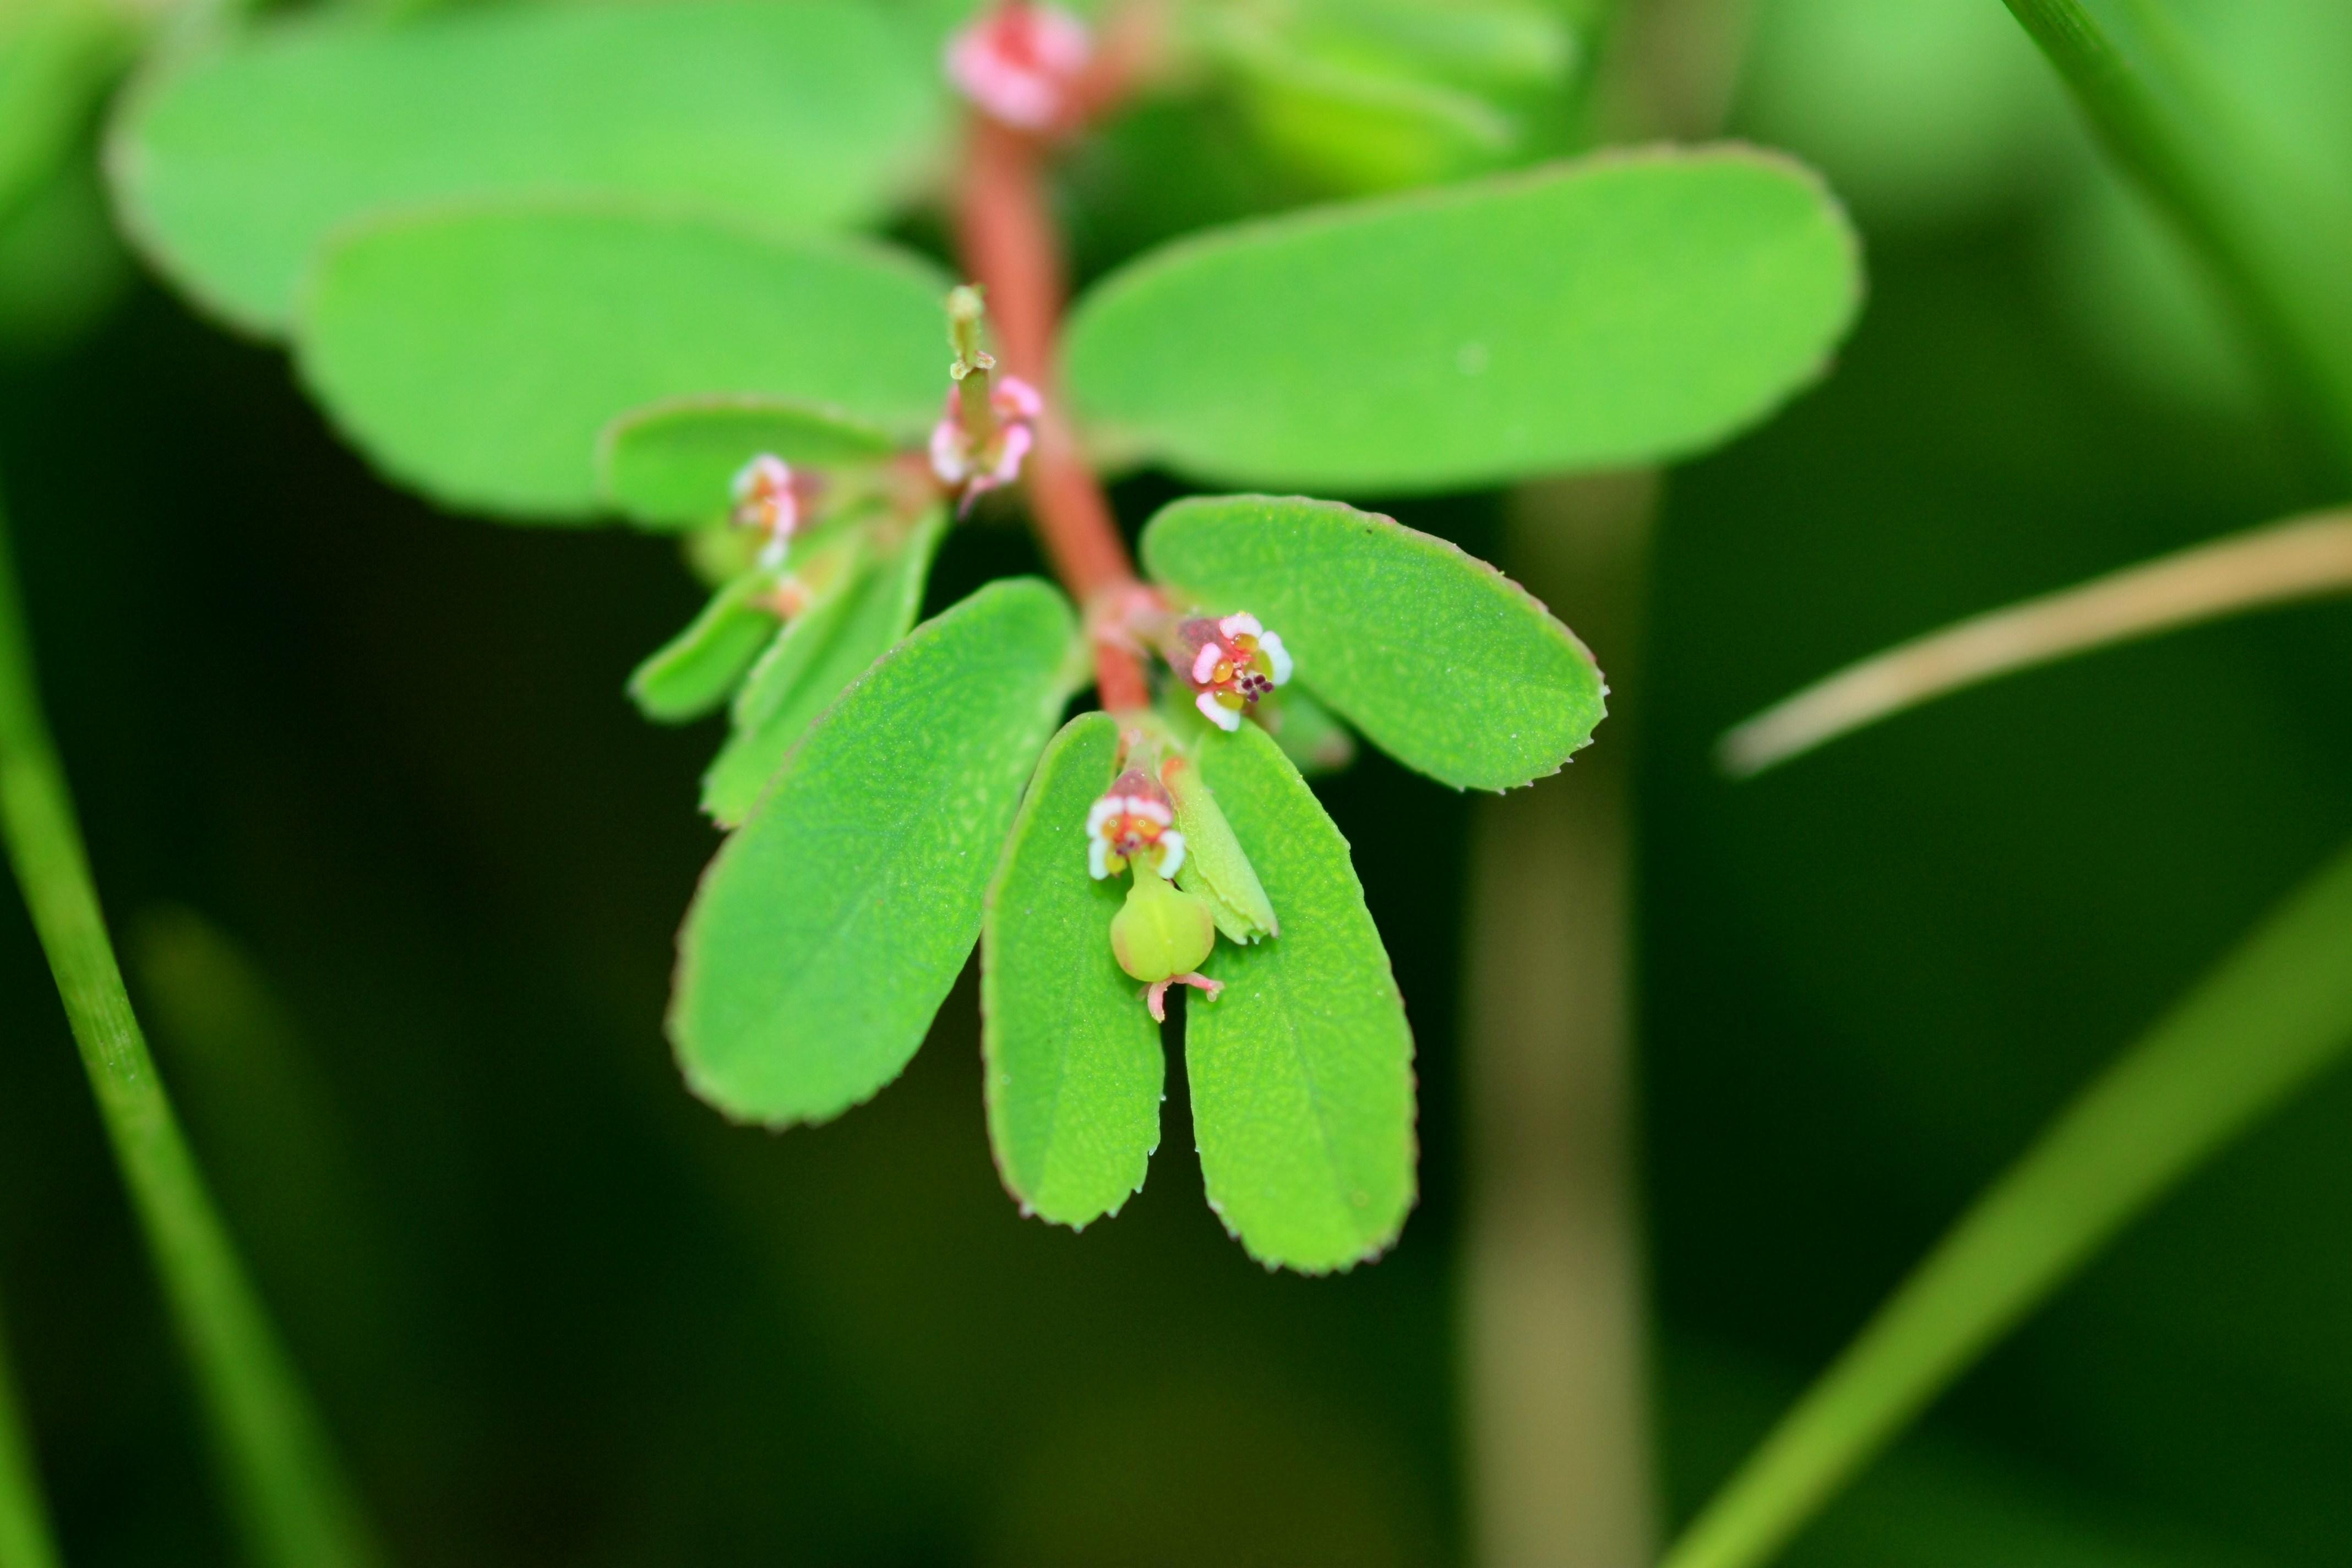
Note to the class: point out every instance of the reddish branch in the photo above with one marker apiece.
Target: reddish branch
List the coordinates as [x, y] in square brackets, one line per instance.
[1008, 244]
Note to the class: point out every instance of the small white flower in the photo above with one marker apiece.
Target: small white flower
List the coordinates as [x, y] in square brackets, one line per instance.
[1134, 824]
[1232, 664]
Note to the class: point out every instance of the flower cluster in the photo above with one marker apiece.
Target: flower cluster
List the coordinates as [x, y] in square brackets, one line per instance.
[769, 497]
[978, 449]
[1134, 825]
[1021, 62]
[1230, 665]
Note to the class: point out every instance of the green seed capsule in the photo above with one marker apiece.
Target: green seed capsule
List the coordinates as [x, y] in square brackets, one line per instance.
[1162, 932]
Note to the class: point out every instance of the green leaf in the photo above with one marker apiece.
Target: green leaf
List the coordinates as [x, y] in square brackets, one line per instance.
[673, 465]
[1622, 309]
[1441, 660]
[56, 59]
[478, 354]
[1302, 1070]
[827, 646]
[1309, 734]
[1073, 1059]
[829, 929]
[2258, 1029]
[694, 672]
[1217, 869]
[234, 169]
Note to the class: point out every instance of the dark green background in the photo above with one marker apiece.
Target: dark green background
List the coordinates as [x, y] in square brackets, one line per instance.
[559, 1313]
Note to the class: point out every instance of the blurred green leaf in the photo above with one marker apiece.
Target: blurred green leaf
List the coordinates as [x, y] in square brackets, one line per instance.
[829, 929]
[2252, 176]
[1931, 111]
[478, 354]
[61, 265]
[1441, 660]
[1625, 309]
[823, 649]
[2258, 1029]
[1366, 95]
[672, 466]
[57, 57]
[1302, 1069]
[233, 169]
[694, 672]
[1309, 734]
[1073, 1059]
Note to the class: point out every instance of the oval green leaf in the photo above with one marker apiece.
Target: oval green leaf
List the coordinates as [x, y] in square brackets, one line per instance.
[1073, 1059]
[1622, 309]
[674, 465]
[695, 671]
[827, 646]
[829, 929]
[1441, 660]
[1302, 1069]
[232, 170]
[478, 354]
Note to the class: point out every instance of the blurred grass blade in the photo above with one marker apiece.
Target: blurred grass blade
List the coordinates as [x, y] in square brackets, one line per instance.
[2256, 1029]
[2273, 231]
[2300, 559]
[285, 1487]
[25, 1538]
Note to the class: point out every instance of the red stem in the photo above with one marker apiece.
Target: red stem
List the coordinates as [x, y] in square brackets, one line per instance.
[1009, 248]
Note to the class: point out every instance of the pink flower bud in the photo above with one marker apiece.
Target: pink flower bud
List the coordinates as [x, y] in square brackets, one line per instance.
[769, 497]
[1134, 824]
[1020, 62]
[1016, 406]
[1230, 664]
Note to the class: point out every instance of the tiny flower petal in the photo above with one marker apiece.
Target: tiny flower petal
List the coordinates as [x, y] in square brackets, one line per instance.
[1097, 857]
[1226, 719]
[948, 461]
[1019, 62]
[1276, 656]
[1171, 854]
[1017, 399]
[1241, 624]
[1204, 663]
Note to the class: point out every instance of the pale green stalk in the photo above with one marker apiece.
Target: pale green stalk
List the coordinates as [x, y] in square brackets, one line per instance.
[2275, 1013]
[286, 1490]
[25, 1540]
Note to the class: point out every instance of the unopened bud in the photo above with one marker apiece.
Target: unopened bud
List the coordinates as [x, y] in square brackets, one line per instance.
[769, 497]
[1161, 932]
[1021, 62]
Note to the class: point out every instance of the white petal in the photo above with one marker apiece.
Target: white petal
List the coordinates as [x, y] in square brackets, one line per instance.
[1204, 663]
[1216, 712]
[1097, 860]
[1102, 811]
[1240, 624]
[1171, 854]
[1276, 654]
